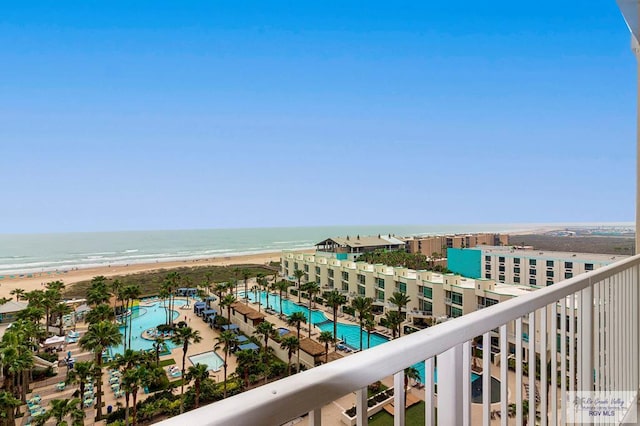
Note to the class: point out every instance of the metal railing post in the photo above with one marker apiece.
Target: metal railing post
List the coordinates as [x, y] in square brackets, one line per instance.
[450, 387]
[586, 338]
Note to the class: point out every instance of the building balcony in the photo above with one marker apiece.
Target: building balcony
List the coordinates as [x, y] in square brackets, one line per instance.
[603, 358]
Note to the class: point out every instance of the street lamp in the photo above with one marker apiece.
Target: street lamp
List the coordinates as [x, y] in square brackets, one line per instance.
[630, 11]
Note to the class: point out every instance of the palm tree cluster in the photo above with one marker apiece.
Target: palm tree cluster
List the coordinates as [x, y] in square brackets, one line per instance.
[17, 360]
[396, 258]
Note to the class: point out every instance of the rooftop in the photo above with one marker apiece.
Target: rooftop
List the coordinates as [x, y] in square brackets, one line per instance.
[548, 254]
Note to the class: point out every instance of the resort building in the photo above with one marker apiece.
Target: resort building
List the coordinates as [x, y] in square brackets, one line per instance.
[511, 265]
[9, 310]
[350, 247]
[438, 244]
[433, 295]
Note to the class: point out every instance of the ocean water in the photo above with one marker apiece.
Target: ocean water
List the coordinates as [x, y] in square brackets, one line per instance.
[29, 253]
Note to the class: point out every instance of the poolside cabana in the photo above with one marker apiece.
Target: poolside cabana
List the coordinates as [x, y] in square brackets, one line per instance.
[187, 292]
[10, 309]
[198, 307]
[230, 327]
[248, 313]
[208, 300]
[249, 346]
[242, 338]
[207, 313]
[313, 348]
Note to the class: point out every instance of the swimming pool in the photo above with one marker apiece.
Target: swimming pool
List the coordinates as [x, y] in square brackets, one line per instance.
[211, 359]
[143, 318]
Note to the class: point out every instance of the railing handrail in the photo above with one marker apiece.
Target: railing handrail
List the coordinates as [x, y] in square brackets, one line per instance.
[285, 399]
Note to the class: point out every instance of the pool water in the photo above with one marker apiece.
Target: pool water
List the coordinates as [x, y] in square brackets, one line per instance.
[348, 333]
[211, 359]
[144, 318]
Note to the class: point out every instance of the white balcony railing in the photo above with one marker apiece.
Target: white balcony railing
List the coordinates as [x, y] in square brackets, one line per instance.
[603, 357]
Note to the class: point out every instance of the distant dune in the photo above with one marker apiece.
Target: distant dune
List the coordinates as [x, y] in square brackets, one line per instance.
[580, 244]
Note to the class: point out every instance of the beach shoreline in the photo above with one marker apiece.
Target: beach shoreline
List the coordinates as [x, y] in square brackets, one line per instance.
[37, 280]
[33, 281]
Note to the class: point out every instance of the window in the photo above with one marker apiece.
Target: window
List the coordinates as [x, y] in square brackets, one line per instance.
[549, 282]
[295, 266]
[532, 281]
[490, 302]
[568, 275]
[588, 266]
[317, 270]
[501, 259]
[501, 278]
[286, 263]
[380, 295]
[402, 287]
[550, 274]
[456, 298]
[487, 258]
[427, 292]
[516, 261]
[456, 312]
[330, 272]
[380, 282]
[330, 282]
[568, 265]
[425, 306]
[516, 270]
[487, 275]
[360, 279]
[516, 280]
[501, 268]
[361, 290]
[532, 261]
[345, 276]
[532, 271]
[487, 267]
[345, 286]
[306, 268]
[549, 263]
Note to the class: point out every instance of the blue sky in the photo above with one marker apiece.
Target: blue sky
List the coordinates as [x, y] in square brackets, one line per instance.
[176, 115]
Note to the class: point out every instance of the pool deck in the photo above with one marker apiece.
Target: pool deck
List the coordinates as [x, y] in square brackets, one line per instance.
[331, 413]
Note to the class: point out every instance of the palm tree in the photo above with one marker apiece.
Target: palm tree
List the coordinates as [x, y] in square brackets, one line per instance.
[400, 300]
[171, 284]
[291, 344]
[369, 325]
[245, 277]
[326, 337]
[133, 292]
[185, 336]
[227, 340]
[79, 374]
[362, 305]
[281, 286]
[311, 288]
[246, 360]
[198, 373]
[98, 292]
[392, 321]
[298, 274]
[100, 336]
[226, 302]
[158, 344]
[409, 373]
[8, 404]
[61, 408]
[129, 383]
[102, 312]
[335, 299]
[296, 319]
[18, 292]
[266, 330]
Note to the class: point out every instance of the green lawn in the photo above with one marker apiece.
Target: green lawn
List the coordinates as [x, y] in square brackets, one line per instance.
[414, 416]
[165, 362]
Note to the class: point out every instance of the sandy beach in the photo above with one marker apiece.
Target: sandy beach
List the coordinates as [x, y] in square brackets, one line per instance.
[73, 276]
